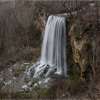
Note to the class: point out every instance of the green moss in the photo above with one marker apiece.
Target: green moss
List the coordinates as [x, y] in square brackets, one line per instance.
[75, 74]
[34, 58]
[70, 61]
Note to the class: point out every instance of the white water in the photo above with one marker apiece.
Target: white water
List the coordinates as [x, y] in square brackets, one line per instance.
[53, 53]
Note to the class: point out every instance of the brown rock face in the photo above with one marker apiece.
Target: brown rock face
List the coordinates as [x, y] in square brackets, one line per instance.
[85, 43]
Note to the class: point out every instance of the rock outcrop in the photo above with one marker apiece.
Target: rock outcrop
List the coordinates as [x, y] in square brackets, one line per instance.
[85, 44]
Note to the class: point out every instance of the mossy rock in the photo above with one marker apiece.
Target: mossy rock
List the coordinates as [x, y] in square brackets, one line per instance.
[34, 58]
[75, 75]
[70, 60]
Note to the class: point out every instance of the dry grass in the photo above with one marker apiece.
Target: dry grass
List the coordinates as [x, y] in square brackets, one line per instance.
[64, 88]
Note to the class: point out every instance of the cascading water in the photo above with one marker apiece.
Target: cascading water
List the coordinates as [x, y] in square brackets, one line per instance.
[53, 53]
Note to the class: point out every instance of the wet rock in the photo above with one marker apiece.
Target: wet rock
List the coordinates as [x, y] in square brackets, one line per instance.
[46, 69]
[32, 73]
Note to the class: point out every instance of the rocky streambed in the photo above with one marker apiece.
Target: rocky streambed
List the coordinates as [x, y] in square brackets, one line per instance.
[16, 78]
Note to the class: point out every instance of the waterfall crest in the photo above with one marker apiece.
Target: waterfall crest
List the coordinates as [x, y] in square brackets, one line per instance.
[53, 53]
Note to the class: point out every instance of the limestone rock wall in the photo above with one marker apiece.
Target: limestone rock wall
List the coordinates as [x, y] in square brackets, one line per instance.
[85, 44]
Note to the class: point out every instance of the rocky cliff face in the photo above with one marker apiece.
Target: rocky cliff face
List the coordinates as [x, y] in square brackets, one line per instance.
[85, 44]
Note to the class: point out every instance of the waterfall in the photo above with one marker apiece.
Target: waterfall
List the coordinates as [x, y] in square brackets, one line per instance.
[53, 53]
